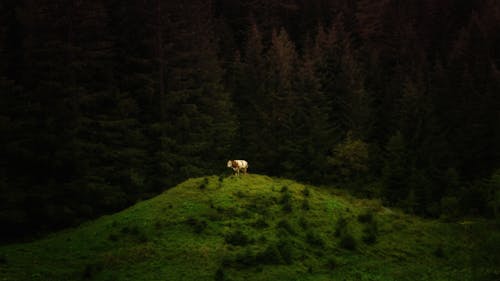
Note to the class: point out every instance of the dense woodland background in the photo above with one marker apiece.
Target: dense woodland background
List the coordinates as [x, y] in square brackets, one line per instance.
[104, 103]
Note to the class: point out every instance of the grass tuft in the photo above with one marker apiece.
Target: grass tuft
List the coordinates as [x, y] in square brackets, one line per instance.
[314, 239]
[91, 270]
[237, 238]
[366, 217]
[348, 242]
[220, 275]
[286, 226]
[203, 184]
[198, 225]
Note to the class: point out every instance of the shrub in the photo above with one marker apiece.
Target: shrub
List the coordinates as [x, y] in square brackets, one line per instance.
[305, 205]
[135, 232]
[282, 253]
[220, 275]
[341, 227]
[286, 251]
[197, 225]
[332, 263]
[271, 255]
[246, 258]
[285, 225]
[142, 237]
[132, 230]
[158, 225]
[450, 208]
[369, 236]
[439, 252]
[286, 202]
[314, 239]
[366, 217]
[240, 194]
[350, 158]
[284, 189]
[370, 232]
[91, 270]
[262, 238]
[287, 207]
[260, 223]
[237, 238]
[303, 223]
[204, 184]
[348, 242]
[244, 213]
[113, 237]
[306, 192]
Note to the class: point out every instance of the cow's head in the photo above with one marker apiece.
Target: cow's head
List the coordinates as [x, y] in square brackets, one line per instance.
[229, 163]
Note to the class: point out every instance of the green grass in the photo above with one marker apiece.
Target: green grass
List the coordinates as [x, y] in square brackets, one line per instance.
[255, 227]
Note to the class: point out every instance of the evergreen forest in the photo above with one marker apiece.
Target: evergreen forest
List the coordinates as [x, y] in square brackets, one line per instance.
[105, 103]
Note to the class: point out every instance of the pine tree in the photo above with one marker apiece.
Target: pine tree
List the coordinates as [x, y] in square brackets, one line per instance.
[280, 102]
[396, 169]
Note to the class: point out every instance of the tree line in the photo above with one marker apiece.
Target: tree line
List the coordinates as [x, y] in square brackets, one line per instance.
[104, 103]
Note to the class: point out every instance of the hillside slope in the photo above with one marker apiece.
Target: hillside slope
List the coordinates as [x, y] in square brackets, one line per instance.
[257, 228]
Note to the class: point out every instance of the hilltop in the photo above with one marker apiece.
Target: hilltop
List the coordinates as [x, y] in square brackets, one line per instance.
[255, 227]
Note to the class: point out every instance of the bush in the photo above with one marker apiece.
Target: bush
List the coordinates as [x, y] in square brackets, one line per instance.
[237, 238]
[286, 202]
[303, 223]
[332, 263]
[350, 158]
[240, 194]
[260, 223]
[197, 225]
[366, 217]
[271, 255]
[220, 275]
[341, 227]
[91, 270]
[142, 237]
[314, 239]
[306, 192]
[286, 251]
[450, 208]
[348, 242]
[282, 253]
[246, 258]
[284, 189]
[370, 232]
[132, 230]
[287, 207]
[285, 225]
[135, 232]
[113, 237]
[305, 205]
[369, 235]
[158, 225]
[439, 252]
[204, 184]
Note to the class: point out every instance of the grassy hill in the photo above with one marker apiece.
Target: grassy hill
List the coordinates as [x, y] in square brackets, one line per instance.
[258, 228]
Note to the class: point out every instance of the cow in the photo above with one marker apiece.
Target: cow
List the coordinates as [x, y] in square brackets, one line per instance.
[238, 165]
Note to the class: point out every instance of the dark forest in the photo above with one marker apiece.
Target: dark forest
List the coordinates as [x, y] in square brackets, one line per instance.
[107, 103]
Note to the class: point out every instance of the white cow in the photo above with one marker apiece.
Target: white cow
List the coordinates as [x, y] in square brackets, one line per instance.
[238, 165]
